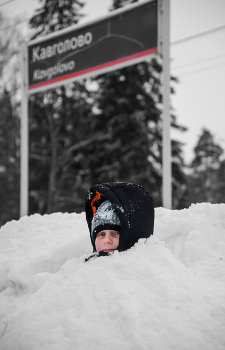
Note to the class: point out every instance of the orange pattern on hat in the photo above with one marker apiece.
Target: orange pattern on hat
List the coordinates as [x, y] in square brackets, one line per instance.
[96, 198]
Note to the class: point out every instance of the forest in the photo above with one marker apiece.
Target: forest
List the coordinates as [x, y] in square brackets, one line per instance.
[93, 130]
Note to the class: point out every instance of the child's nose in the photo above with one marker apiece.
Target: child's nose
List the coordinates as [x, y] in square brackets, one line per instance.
[108, 239]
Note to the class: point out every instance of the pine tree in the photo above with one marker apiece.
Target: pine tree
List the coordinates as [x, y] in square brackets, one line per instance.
[54, 116]
[220, 193]
[10, 40]
[55, 15]
[207, 171]
[129, 110]
[9, 160]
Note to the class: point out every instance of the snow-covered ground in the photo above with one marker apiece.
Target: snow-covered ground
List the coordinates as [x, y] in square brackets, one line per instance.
[165, 293]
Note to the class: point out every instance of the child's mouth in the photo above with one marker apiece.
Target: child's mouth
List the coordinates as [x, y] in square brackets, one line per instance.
[108, 250]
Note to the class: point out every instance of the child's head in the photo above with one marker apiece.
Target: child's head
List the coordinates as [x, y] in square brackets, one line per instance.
[105, 227]
[118, 214]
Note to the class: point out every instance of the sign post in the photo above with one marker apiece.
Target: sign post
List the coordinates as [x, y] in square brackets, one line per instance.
[24, 157]
[164, 47]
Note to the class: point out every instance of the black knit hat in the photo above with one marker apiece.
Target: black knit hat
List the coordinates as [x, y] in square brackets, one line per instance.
[133, 206]
[105, 219]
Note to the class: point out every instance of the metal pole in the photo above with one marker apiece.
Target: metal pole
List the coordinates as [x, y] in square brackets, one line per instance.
[164, 30]
[24, 137]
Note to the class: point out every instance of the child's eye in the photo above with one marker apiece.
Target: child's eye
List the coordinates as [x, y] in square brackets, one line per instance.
[116, 233]
[100, 234]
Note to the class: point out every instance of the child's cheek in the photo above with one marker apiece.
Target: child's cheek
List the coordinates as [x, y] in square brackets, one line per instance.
[98, 245]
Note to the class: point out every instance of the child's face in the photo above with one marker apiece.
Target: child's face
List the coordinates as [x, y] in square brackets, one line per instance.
[107, 241]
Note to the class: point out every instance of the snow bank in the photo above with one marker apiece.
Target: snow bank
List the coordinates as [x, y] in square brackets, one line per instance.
[165, 293]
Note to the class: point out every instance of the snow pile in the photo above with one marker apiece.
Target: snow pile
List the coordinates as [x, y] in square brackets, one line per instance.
[164, 293]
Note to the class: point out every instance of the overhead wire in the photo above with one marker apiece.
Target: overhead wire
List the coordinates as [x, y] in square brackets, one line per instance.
[202, 69]
[195, 71]
[193, 63]
[192, 37]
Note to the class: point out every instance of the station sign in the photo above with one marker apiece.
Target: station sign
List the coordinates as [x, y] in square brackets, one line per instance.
[123, 38]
